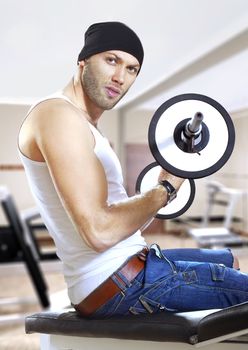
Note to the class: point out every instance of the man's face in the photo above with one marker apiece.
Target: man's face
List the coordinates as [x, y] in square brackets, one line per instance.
[107, 76]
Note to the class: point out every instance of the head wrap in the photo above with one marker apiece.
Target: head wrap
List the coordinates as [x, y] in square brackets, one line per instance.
[105, 36]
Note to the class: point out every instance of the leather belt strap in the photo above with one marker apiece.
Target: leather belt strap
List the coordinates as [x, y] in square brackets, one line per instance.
[109, 288]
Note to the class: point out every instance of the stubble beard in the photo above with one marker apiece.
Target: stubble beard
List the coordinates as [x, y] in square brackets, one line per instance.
[92, 88]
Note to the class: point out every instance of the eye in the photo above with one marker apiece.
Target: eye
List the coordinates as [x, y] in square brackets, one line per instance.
[111, 60]
[133, 70]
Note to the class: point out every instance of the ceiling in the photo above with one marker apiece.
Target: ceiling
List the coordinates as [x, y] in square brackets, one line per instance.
[190, 46]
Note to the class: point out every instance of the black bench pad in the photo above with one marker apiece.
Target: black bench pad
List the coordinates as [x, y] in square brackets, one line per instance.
[186, 327]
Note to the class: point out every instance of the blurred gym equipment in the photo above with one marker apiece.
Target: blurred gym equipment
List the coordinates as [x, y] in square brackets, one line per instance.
[19, 245]
[208, 236]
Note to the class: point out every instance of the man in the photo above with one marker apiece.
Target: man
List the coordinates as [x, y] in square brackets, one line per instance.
[76, 180]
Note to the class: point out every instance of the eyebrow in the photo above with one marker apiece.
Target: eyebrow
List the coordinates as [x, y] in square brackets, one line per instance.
[120, 59]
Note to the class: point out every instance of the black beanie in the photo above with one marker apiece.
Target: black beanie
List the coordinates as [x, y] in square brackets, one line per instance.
[105, 36]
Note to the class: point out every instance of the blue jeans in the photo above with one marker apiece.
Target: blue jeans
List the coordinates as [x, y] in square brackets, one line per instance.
[179, 280]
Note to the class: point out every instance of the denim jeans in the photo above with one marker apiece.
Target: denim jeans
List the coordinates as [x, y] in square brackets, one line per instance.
[179, 280]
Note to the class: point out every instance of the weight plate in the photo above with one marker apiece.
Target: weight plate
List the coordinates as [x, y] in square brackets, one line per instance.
[148, 178]
[218, 147]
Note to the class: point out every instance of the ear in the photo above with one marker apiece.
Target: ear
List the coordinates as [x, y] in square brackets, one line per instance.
[81, 63]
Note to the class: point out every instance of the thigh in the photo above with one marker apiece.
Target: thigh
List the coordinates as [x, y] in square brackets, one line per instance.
[195, 286]
[208, 286]
[218, 256]
[178, 286]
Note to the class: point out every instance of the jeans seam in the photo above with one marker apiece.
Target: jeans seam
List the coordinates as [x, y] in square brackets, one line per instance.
[163, 292]
[122, 297]
[219, 288]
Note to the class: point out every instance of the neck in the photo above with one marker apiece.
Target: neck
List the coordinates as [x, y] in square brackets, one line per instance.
[74, 91]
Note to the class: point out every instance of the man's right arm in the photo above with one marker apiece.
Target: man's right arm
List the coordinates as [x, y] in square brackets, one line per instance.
[64, 138]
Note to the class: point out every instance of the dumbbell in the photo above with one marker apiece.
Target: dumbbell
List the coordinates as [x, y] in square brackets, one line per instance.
[191, 136]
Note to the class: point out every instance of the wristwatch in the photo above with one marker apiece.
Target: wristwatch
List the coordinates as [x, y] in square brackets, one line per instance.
[171, 191]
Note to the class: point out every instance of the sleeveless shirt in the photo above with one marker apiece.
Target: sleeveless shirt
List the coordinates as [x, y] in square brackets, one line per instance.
[84, 269]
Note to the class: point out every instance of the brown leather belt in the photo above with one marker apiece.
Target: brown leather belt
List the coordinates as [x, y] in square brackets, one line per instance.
[109, 288]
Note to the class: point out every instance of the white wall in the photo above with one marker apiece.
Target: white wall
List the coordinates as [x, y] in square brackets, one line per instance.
[40, 40]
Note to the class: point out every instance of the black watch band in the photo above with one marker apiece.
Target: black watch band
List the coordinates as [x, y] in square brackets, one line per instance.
[171, 191]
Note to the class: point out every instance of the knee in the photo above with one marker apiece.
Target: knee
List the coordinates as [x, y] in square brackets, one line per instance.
[235, 262]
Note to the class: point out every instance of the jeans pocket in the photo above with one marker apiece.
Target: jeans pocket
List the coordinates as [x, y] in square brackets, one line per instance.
[157, 266]
[218, 272]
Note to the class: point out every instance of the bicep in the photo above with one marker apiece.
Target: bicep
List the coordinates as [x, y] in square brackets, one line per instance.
[79, 178]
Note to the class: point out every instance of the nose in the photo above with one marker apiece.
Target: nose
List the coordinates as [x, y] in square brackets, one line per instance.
[119, 75]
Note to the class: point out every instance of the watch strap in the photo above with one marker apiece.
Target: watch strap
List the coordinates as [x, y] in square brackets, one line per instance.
[171, 191]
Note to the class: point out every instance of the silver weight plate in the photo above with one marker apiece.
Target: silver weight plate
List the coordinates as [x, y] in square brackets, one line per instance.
[217, 149]
[148, 179]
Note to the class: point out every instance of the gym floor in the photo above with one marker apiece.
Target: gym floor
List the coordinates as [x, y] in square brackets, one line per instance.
[15, 283]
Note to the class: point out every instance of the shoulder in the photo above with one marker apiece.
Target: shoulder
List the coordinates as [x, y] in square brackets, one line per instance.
[54, 106]
[59, 120]
[58, 112]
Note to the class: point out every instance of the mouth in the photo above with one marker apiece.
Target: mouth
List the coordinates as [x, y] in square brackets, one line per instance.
[112, 91]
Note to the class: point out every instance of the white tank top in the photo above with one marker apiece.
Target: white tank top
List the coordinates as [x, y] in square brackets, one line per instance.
[84, 269]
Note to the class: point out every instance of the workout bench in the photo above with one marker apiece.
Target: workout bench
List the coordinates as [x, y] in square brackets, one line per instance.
[66, 330]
